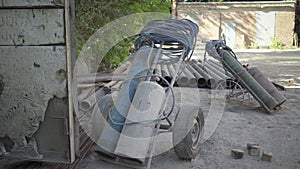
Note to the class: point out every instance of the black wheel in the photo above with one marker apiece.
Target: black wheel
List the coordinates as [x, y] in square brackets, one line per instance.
[188, 132]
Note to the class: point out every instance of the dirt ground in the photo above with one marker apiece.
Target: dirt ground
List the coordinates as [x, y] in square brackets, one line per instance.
[242, 122]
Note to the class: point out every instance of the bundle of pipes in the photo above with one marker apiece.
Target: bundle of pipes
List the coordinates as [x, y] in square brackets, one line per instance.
[117, 75]
[194, 74]
[185, 77]
[210, 80]
[217, 69]
[88, 97]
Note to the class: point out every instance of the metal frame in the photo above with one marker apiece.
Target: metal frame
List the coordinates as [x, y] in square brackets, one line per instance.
[175, 41]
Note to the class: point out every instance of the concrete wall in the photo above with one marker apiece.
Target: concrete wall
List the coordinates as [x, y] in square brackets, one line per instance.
[35, 64]
[243, 17]
[284, 27]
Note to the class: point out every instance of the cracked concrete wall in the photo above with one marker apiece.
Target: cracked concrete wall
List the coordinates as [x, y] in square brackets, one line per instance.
[32, 75]
[33, 71]
[26, 3]
[31, 26]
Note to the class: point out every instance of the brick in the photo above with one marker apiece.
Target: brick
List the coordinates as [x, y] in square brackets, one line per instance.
[254, 150]
[251, 144]
[267, 156]
[237, 153]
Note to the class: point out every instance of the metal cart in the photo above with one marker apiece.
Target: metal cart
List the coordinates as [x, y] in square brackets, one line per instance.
[139, 112]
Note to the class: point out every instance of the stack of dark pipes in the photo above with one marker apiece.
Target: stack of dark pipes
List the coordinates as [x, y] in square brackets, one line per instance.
[195, 74]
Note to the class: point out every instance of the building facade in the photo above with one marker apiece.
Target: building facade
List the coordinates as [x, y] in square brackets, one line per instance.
[243, 24]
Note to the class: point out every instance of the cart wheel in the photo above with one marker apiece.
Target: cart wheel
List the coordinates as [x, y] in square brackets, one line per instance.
[188, 132]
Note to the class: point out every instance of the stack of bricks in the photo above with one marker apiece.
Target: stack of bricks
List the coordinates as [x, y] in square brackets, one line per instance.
[253, 150]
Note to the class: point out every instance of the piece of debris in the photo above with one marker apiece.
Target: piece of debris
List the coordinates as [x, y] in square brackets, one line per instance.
[267, 156]
[278, 86]
[237, 153]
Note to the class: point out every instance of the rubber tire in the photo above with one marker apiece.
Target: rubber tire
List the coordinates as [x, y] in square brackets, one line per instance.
[187, 119]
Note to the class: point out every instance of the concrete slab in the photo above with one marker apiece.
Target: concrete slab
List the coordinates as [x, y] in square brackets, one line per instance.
[30, 77]
[31, 26]
[30, 3]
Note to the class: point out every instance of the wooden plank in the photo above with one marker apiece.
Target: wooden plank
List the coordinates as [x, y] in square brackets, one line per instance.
[31, 26]
[72, 94]
[31, 3]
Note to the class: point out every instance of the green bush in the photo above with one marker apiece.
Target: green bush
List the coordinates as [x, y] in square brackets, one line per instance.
[276, 44]
[94, 14]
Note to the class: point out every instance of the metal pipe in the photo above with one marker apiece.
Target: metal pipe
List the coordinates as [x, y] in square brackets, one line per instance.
[89, 102]
[171, 70]
[229, 81]
[165, 72]
[157, 70]
[192, 81]
[182, 79]
[219, 68]
[217, 65]
[212, 73]
[100, 77]
[172, 67]
[209, 80]
[200, 79]
[85, 93]
[216, 71]
[267, 84]
[222, 73]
